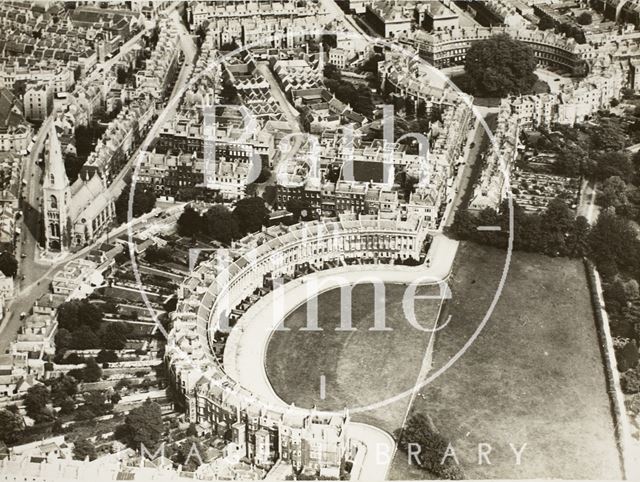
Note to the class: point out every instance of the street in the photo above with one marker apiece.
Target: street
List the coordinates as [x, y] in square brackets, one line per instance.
[472, 150]
[38, 275]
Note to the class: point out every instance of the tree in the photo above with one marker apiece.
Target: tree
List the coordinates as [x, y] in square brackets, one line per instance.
[36, 401]
[83, 338]
[62, 387]
[546, 23]
[500, 65]
[630, 381]
[419, 430]
[57, 428]
[332, 72]
[97, 402]
[92, 371]
[154, 254]
[578, 240]
[613, 245]
[189, 222]
[107, 356]
[83, 448]
[626, 354]
[192, 431]
[584, 18]
[67, 406]
[614, 193]
[63, 340]
[8, 264]
[11, 424]
[143, 426]
[115, 336]
[144, 200]
[609, 164]
[251, 214]
[607, 135]
[72, 314]
[190, 454]
[464, 225]
[221, 224]
[229, 93]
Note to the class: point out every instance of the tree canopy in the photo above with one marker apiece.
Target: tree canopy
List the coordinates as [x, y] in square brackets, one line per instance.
[8, 264]
[74, 313]
[433, 454]
[499, 66]
[189, 222]
[144, 200]
[221, 224]
[144, 426]
[251, 214]
[83, 448]
[11, 424]
[36, 400]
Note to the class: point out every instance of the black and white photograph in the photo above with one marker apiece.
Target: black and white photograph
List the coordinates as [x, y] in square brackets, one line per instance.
[357, 240]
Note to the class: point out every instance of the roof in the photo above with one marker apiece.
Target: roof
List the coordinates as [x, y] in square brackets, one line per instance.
[11, 114]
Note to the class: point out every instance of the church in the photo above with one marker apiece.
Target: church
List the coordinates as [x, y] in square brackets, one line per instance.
[73, 214]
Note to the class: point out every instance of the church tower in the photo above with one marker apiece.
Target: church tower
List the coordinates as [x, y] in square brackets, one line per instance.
[55, 198]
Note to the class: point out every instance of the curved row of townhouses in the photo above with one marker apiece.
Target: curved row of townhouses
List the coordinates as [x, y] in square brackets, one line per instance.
[447, 48]
[221, 289]
[607, 68]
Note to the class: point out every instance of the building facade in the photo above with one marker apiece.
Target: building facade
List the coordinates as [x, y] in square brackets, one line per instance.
[216, 291]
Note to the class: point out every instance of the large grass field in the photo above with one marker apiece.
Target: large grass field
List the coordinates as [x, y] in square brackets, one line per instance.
[360, 367]
[534, 375]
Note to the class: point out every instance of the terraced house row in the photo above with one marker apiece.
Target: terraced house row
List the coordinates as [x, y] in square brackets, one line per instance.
[222, 289]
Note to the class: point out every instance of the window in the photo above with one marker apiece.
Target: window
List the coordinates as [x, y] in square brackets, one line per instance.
[53, 201]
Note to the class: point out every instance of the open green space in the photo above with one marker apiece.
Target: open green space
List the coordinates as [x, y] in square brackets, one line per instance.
[534, 375]
[360, 367]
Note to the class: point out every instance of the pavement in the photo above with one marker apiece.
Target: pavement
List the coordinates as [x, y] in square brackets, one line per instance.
[587, 206]
[470, 157]
[245, 350]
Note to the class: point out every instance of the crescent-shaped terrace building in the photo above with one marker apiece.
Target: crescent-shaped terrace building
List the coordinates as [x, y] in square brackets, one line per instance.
[218, 292]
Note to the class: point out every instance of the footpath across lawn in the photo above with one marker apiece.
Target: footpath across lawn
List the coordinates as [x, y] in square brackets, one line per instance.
[534, 375]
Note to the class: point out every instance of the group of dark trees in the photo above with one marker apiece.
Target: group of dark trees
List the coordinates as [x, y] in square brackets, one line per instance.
[499, 66]
[222, 224]
[359, 97]
[81, 327]
[8, 264]
[11, 424]
[554, 232]
[41, 401]
[143, 426]
[144, 200]
[593, 151]
[419, 431]
[567, 28]
[229, 93]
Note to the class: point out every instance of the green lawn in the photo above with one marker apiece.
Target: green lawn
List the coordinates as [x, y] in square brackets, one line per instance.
[534, 375]
[360, 367]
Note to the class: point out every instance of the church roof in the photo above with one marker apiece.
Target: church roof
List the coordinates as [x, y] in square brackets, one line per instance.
[88, 199]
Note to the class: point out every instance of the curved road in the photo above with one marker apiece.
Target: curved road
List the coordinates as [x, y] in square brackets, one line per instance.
[246, 347]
